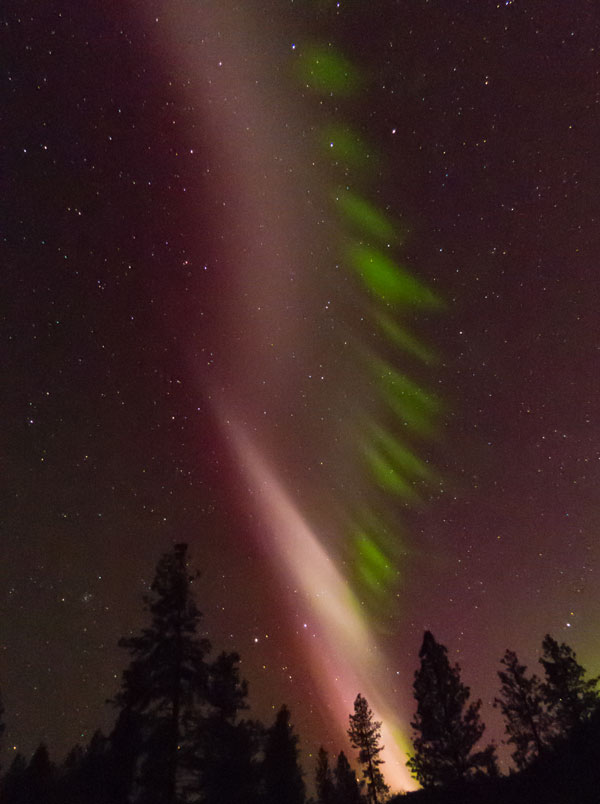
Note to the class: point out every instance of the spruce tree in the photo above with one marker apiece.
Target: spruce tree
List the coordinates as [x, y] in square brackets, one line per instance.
[40, 777]
[86, 775]
[126, 746]
[96, 766]
[347, 790]
[324, 779]
[14, 782]
[70, 784]
[527, 721]
[569, 696]
[226, 746]
[226, 691]
[282, 775]
[166, 681]
[365, 734]
[446, 727]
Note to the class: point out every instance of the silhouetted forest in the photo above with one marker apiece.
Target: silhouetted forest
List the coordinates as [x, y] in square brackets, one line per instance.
[181, 734]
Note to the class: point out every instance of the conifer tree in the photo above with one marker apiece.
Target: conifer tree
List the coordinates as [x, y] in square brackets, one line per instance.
[282, 775]
[96, 761]
[226, 692]
[324, 779]
[569, 696]
[226, 747]
[98, 771]
[167, 679]
[446, 727]
[14, 781]
[527, 721]
[365, 734]
[126, 746]
[70, 784]
[40, 776]
[86, 776]
[347, 790]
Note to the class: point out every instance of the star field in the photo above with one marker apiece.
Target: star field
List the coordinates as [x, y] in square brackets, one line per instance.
[174, 275]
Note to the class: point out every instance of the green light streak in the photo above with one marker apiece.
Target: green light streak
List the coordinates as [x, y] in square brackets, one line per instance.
[394, 466]
[387, 280]
[415, 407]
[373, 566]
[403, 410]
[327, 72]
[387, 475]
[405, 460]
[345, 146]
[403, 339]
[401, 740]
[375, 523]
[364, 216]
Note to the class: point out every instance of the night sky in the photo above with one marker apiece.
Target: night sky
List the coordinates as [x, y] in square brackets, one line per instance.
[189, 355]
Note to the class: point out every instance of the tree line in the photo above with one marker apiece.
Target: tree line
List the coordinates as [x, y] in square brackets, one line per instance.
[180, 734]
[552, 724]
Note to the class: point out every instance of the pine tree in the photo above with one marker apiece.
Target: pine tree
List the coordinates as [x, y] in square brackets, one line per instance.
[364, 733]
[226, 692]
[446, 727]
[282, 775]
[70, 784]
[40, 777]
[166, 680]
[86, 775]
[347, 790]
[226, 765]
[527, 721]
[14, 782]
[569, 696]
[324, 779]
[126, 746]
[96, 764]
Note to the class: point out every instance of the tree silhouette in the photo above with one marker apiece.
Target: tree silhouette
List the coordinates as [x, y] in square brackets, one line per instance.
[347, 790]
[85, 777]
[226, 692]
[527, 721]
[569, 696]
[364, 733]
[70, 784]
[38, 780]
[96, 766]
[282, 775]
[14, 781]
[166, 680]
[324, 779]
[446, 727]
[226, 748]
[126, 746]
